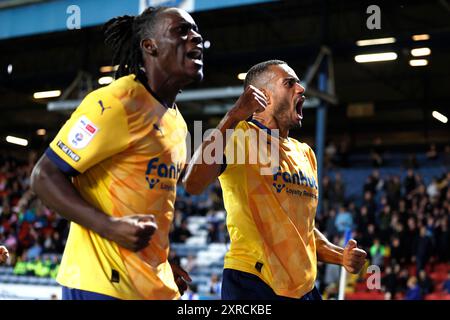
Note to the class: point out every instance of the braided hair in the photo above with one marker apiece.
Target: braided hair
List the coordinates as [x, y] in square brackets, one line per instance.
[124, 35]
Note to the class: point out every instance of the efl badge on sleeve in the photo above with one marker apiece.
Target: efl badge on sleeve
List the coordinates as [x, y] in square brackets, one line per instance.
[82, 133]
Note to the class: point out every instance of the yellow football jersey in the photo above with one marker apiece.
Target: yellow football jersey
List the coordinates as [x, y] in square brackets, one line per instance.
[270, 217]
[126, 152]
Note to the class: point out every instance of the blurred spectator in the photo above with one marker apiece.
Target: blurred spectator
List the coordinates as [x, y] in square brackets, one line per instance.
[34, 251]
[384, 223]
[338, 189]
[397, 251]
[411, 238]
[331, 292]
[432, 153]
[377, 253]
[190, 293]
[344, 151]
[327, 193]
[443, 239]
[370, 204]
[409, 182]
[21, 265]
[377, 181]
[413, 292]
[389, 282]
[424, 249]
[403, 277]
[222, 234]
[425, 283]
[190, 263]
[4, 254]
[446, 286]
[203, 201]
[362, 219]
[181, 233]
[216, 228]
[215, 285]
[377, 153]
[58, 242]
[367, 237]
[344, 220]
[330, 228]
[369, 185]
[393, 190]
[212, 235]
[332, 272]
[432, 189]
[178, 218]
[411, 162]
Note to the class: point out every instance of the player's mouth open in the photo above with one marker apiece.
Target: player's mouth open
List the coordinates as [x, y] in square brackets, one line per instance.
[196, 55]
[299, 107]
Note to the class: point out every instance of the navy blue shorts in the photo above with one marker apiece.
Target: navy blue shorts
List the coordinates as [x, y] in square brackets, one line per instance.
[238, 285]
[76, 294]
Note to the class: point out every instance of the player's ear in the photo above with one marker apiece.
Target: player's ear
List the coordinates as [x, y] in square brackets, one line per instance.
[149, 46]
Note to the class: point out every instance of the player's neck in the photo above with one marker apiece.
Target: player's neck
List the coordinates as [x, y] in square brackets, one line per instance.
[271, 123]
[164, 92]
[165, 87]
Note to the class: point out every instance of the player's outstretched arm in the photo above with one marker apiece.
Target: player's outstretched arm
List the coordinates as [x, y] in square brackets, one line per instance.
[351, 257]
[55, 189]
[200, 174]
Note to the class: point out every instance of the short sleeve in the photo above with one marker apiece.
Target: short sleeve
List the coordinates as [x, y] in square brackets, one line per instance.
[96, 130]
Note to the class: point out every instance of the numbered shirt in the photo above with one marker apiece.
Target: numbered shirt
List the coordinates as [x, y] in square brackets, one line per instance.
[125, 151]
[270, 194]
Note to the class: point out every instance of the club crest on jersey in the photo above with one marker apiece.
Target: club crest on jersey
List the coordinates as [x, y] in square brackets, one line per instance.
[82, 133]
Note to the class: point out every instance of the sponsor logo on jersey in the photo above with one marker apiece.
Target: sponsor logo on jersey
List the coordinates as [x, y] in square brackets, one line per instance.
[288, 181]
[157, 169]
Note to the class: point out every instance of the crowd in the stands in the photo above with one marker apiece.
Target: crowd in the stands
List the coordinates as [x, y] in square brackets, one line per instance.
[401, 221]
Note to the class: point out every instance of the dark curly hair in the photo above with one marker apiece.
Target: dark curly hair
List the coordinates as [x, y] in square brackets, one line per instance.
[124, 35]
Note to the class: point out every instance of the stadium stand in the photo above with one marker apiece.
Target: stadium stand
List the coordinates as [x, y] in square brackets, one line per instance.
[399, 214]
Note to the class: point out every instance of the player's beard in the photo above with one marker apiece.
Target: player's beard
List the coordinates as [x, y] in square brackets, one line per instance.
[284, 118]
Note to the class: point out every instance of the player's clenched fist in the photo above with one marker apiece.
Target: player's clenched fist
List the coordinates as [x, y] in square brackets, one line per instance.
[353, 258]
[4, 254]
[252, 100]
[132, 232]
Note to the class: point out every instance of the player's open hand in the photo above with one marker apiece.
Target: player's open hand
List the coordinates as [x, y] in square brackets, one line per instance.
[181, 277]
[132, 232]
[4, 254]
[252, 100]
[354, 258]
